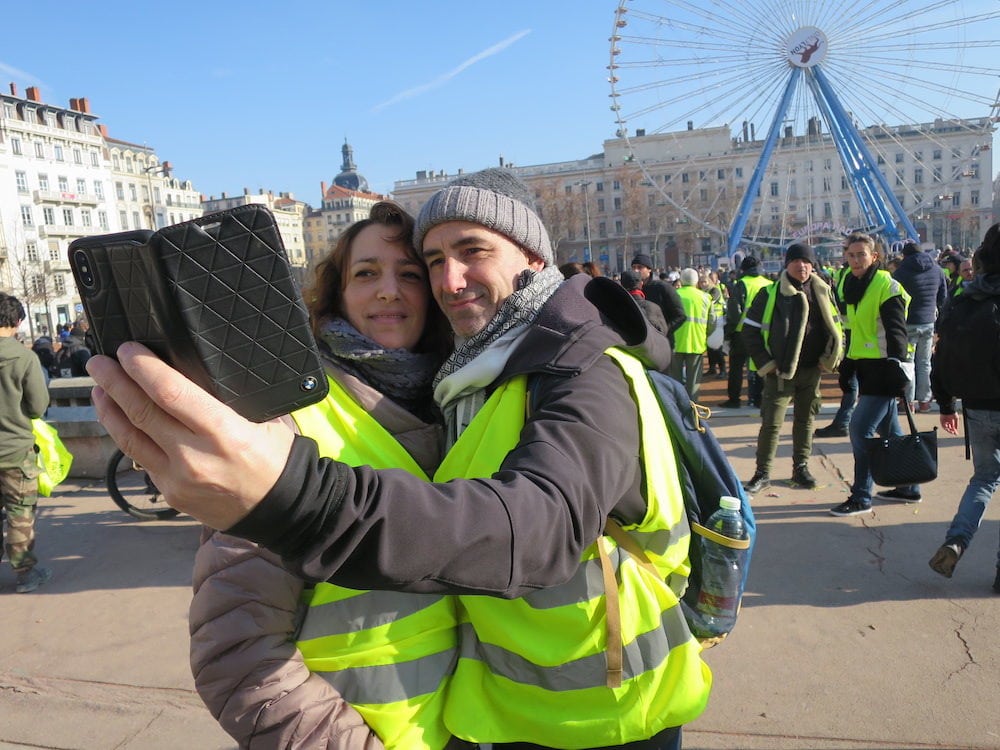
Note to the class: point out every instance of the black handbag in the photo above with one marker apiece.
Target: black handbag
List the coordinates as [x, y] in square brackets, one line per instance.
[903, 459]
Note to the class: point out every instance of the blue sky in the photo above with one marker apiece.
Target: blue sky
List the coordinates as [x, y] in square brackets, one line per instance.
[262, 95]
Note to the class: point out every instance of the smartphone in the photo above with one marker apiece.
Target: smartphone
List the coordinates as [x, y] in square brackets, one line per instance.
[215, 298]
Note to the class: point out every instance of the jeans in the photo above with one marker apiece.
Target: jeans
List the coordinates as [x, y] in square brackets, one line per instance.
[803, 393]
[983, 429]
[873, 414]
[920, 336]
[847, 402]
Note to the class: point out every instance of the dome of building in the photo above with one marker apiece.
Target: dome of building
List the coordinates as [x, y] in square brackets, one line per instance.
[349, 176]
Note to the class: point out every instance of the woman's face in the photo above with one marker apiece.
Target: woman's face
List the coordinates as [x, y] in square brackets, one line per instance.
[385, 290]
[859, 257]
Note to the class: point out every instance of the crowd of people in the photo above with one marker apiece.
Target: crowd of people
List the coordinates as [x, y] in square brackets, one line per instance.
[463, 367]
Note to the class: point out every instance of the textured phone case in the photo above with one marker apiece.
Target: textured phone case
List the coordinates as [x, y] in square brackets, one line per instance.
[239, 308]
[110, 259]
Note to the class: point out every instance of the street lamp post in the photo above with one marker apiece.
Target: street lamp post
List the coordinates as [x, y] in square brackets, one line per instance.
[586, 209]
[163, 169]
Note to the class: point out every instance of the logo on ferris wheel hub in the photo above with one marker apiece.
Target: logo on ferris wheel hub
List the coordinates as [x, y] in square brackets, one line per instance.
[806, 47]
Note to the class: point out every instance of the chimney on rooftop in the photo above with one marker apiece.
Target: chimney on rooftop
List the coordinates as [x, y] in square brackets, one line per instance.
[74, 104]
[34, 94]
[85, 105]
[103, 129]
[13, 89]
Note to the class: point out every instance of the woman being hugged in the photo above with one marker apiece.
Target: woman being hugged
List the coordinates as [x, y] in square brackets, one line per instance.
[878, 352]
[350, 669]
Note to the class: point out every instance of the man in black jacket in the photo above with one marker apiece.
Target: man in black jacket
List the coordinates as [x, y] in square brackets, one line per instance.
[967, 366]
[793, 331]
[922, 279]
[660, 293]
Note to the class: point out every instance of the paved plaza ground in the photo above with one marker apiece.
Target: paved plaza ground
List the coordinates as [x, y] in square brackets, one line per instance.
[847, 639]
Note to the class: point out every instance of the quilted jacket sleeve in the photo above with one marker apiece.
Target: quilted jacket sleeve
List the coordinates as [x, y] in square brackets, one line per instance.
[245, 664]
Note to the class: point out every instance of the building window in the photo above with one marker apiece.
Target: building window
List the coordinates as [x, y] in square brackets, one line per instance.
[99, 189]
[685, 178]
[956, 199]
[974, 197]
[95, 160]
[899, 157]
[31, 252]
[618, 227]
[599, 187]
[616, 185]
[899, 176]
[135, 220]
[569, 190]
[880, 159]
[27, 219]
[774, 189]
[58, 151]
[102, 220]
[77, 156]
[15, 146]
[128, 164]
[131, 192]
[85, 217]
[63, 184]
[39, 149]
[739, 171]
[918, 176]
[845, 208]
[68, 217]
[120, 191]
[81, 187]
[48, 216]
[937, 174]
[720, 174]
[618, 204]
[827, 185]
[602, 229]
[936, 155]
[115, 163]
[703, 195]
[600, 205]
[123, 219]
[22, 181]
[827, 211]
[59, 284]
[38, 285]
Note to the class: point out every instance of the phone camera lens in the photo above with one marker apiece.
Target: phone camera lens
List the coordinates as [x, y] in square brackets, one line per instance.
[85, 270]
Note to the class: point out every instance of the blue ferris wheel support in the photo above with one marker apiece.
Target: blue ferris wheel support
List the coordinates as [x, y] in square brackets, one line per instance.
[870, 187]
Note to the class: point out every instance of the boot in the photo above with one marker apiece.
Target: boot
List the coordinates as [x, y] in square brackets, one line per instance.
[759, 481]
[802, 477]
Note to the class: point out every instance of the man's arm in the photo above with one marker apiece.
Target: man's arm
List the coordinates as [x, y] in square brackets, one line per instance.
[35, 394]
[523, 529]
[753, 336]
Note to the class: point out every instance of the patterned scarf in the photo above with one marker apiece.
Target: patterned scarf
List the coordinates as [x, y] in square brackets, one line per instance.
[400, 374]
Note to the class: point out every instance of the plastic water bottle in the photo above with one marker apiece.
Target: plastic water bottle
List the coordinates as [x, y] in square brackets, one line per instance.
[722, 569]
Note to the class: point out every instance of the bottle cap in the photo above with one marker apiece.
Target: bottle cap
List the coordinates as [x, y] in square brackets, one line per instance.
[729, 503]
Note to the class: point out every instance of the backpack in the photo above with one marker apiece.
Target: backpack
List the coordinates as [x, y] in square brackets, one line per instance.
[705, 477]
[967, 354]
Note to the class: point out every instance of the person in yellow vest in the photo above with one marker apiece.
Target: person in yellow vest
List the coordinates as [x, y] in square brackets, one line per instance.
[793, 330]
[741, 296]
[691, 338]
[552, 430]
[271, 676]
[878, 353]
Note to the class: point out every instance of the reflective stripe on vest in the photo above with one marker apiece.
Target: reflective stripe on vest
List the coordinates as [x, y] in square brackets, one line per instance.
[753, 285]
[536, 667]
[389, 654]
[691, 337]
[868, 339]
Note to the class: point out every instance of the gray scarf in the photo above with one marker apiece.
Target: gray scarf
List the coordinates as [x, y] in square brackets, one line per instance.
[400, 374]
[532, 290]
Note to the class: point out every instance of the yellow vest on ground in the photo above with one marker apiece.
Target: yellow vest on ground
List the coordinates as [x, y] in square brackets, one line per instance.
[691, 337]
[867, 333]
[537, 668]
[389, 654]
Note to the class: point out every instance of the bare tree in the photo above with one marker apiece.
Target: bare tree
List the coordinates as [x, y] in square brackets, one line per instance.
[560, 212]
[26, 274]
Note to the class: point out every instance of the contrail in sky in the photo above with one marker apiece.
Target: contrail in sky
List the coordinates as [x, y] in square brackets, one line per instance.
[21, 75]
[443, 79]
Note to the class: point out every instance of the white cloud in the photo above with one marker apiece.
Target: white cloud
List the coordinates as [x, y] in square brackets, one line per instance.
[443, 79]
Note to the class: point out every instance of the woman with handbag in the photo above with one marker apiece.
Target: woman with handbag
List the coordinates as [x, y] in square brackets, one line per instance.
[878, 353]
[273, 672]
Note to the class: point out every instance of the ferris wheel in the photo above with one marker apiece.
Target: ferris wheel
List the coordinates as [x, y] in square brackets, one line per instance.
[743, 112]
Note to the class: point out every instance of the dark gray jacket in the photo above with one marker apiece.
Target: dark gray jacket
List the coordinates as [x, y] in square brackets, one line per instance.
[924, 281]
[524, 528]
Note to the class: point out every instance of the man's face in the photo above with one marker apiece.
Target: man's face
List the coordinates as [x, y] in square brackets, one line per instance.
[643, 271]
[799, 269]
[860, 258]
[472, 271]
[966, 270]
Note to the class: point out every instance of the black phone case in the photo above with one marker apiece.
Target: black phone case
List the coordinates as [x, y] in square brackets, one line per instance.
[225, 309]
[104, 269]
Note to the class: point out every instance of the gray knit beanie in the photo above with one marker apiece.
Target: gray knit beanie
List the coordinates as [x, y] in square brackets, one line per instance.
[496, 199]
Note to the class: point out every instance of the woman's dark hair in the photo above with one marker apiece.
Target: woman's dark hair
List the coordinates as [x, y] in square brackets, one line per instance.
[571, 269]
[325, 295]
[987, 257]
[592, 269]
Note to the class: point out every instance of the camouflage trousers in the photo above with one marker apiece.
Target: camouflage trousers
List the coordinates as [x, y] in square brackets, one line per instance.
[19, 495]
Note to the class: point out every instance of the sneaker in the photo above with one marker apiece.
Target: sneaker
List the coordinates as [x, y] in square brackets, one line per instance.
[898, 496]
[830, 431]
[732, 403]
[802, 477]
[851, 507]
[945, 559]
[759, 481]
[31, 579]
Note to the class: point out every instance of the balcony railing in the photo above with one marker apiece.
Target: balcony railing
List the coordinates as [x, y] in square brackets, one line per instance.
[79, 199]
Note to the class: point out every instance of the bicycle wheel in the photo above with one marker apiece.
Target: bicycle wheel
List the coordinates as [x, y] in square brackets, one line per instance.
[133, 491]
